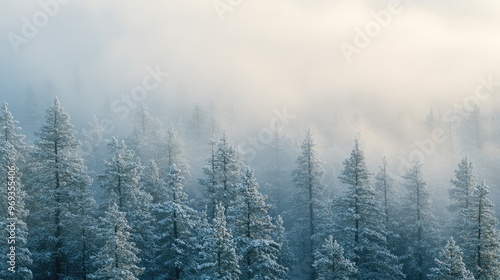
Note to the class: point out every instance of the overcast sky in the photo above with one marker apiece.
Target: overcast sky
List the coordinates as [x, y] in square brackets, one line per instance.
[263, 54]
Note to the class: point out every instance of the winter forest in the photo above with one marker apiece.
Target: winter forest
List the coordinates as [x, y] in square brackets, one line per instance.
[249, 140]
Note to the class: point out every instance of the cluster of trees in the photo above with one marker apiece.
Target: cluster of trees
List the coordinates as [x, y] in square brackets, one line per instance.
[129, 215]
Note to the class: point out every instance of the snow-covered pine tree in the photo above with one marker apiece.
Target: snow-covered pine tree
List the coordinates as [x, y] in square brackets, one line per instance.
[148, 137]
[285, 256]
[419, 228]
[463, 185]
[121, 184]
[12, 186]
[10, 132]
[362, 222]
[485, 242]
[223, 175]
[384, 186]
[117, 258]
[175, 233]
[153, 183]
[58, 188]
[218, 258]
[330, 262]
[121, 179]
[174, 153]
[253, 229]
[450, 266]
[461, 196]
[308, 197]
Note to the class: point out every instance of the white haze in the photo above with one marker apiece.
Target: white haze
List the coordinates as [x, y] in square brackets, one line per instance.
[265, 55]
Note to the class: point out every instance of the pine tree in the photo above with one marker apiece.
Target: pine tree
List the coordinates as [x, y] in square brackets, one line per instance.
[175, 233]
[419, 228]
[174, 153]
[218, 259]
[308, 180]
[117, 259]
[461, 195]
[485, 242]
[59, 179]
[450, 265]
[223, 173]
[253, 229]
[148, 137]
[384, 186]
[121, 182]
[153, 183]
[12, 187]
[10, 132]
[330, 263]
[121, 179]
[363, 222]
[285, 256]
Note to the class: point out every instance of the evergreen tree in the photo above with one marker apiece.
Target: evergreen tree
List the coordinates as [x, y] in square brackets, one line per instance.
[419, 228]
[175, 153]
[10, 132]
[461, 196]
[450, 265]
[223, 173]
[148, 137]
[363, 222]
[58, 174]
[117, 259]
[253, 229]
[121, 183]
[285, 256]
[384, 186]
[13, 217]
[485, 242]
[218, 259]
[153, 183]
[308, 180]
[330, 263]
[121, 179]
[176, 231]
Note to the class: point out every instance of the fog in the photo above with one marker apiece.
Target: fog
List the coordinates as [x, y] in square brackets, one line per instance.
[259, 57]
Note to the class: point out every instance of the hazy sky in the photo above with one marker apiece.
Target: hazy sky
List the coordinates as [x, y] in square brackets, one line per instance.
[264, 54]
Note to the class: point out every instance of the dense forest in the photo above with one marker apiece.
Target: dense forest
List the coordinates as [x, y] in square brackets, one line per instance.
[156, 201]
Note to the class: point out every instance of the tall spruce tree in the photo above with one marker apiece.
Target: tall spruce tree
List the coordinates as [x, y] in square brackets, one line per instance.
[59, 175]
[419, 228]
[218, 258]
[461, 195]
[484, 244]
[253, 229]
[223, 175]
[122, 186]
[309, 208]
[331, 264]
[13, 218]
[450, 266]
[117, 258]
[363, 222]
[175, 234]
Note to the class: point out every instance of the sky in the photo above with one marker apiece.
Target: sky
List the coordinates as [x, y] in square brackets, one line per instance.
[249, 57]
[318, 59]
[253, 52]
